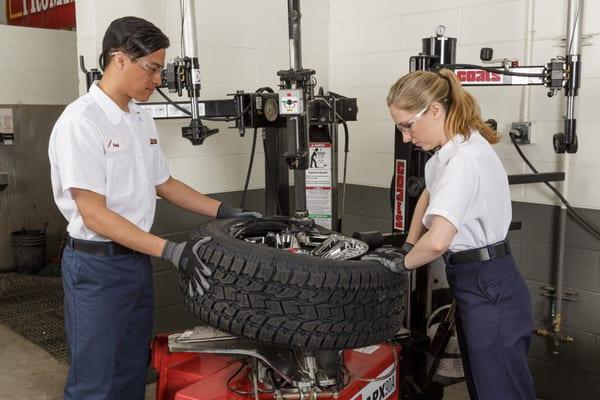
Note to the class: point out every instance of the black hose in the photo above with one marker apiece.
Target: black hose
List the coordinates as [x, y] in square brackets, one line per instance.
[346, 149]
[168, 99]
[570, 209]
[249, 169]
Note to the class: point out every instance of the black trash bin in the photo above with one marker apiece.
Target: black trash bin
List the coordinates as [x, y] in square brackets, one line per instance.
[29, 248]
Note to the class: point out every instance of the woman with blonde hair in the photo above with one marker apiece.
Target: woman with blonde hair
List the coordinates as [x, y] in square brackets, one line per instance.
[464, 215]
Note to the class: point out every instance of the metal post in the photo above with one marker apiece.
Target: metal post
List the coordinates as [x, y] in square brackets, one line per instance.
[294, 17]
[189, 50]
[573, 58]
[297, 125]
[573, 61]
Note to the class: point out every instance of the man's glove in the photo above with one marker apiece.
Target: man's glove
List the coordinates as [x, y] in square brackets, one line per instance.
[390, 257]
[185, 257]
[226, 211]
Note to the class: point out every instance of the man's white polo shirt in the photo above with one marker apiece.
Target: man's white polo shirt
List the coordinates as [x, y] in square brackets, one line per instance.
[468, 186]
[98, 147]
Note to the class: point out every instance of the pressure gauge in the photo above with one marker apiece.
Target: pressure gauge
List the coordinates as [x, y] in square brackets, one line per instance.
[271, 110]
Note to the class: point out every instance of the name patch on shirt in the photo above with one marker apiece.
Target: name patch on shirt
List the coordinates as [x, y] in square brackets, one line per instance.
[113, 145]
[153, 141]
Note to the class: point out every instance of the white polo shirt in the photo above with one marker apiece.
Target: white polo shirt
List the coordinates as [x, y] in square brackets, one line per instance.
[468, 186]
[98, 147]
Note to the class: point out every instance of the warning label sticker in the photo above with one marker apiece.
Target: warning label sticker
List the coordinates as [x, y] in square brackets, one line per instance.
[319, 184]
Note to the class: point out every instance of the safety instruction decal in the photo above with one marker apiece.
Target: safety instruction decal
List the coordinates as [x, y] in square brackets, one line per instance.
[319, 184]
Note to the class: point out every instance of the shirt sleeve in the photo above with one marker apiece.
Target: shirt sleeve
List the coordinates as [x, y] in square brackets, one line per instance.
[79, 156]
[451, 197]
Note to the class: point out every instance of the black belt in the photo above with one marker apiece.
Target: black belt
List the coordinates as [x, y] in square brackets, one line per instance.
[98, 248]
[486, 253]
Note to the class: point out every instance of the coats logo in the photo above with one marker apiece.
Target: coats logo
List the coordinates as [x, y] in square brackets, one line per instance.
[153, 141]
[477, 75]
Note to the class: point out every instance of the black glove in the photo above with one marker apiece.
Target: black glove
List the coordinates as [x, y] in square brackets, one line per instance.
[185, 257]
[226, 211]
[390, 257]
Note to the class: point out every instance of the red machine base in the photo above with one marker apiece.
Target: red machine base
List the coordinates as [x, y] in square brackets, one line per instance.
[203, 376]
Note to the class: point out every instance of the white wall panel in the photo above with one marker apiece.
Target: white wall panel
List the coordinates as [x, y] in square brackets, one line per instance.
[371, 42]
[37, 66]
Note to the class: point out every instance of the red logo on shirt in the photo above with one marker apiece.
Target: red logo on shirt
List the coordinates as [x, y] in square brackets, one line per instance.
[153, 141]
[113, 144]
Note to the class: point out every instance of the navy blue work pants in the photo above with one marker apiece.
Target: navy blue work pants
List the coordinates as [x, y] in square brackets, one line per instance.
[108, 321]
[494, 327]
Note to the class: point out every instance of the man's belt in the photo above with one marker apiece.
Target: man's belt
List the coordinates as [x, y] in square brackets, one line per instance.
[98, 248]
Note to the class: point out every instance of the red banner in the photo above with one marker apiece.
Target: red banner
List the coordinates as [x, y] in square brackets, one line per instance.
[50, 14]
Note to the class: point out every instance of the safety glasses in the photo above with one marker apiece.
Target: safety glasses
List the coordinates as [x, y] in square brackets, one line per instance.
[408, 126]
[150, 67]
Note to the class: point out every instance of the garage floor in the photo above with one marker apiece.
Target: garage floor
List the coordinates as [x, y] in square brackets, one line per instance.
[28, 372]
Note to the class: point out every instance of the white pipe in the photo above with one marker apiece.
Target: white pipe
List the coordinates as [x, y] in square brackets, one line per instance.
[189, 28]
[529, 32]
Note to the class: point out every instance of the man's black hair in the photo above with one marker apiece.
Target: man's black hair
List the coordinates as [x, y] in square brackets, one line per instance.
[134, 36]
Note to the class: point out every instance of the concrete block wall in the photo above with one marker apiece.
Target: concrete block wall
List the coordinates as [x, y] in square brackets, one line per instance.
[241, 46]
[27, 200]
[371, 42]
[37, 66]
[38, 77]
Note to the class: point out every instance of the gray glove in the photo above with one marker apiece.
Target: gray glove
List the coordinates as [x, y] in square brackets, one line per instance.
[172, 252]
[226, 211]
[390, 257]
[185, 257]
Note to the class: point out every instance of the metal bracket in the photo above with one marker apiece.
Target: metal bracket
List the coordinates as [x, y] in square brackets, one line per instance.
[568, 294]
[205, 339]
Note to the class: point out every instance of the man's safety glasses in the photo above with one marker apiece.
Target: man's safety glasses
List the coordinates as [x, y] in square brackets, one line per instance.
[150, 67]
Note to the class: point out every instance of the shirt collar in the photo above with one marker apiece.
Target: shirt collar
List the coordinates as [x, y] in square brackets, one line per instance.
[450, 148]
[110, 108]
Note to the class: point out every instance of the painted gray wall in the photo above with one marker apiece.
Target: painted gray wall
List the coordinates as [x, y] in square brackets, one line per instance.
[2, 12]
[27, 201]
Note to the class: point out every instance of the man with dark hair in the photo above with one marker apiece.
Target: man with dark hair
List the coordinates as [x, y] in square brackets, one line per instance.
[107, 169]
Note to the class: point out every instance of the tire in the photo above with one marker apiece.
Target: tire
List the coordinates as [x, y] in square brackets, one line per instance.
[294, 300]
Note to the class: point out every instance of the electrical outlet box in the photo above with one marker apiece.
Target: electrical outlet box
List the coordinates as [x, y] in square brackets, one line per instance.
[522, 132]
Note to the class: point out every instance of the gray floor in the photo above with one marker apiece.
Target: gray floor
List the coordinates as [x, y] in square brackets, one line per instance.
[28, 372]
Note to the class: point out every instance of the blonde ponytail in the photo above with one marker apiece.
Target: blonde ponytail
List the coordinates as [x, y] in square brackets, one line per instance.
[419, 89]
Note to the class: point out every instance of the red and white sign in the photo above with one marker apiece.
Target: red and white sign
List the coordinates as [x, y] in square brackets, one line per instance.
[400, 196]
[380, 389]
[50, 14]
[319, 184]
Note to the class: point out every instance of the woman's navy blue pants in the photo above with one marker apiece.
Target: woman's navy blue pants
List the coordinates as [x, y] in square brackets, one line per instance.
[494, 327]
[108, 321]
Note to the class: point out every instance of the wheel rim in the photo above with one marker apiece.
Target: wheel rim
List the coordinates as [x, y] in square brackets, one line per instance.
[300, 237]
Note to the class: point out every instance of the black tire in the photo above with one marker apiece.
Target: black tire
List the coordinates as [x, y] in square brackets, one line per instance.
[274, 296]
